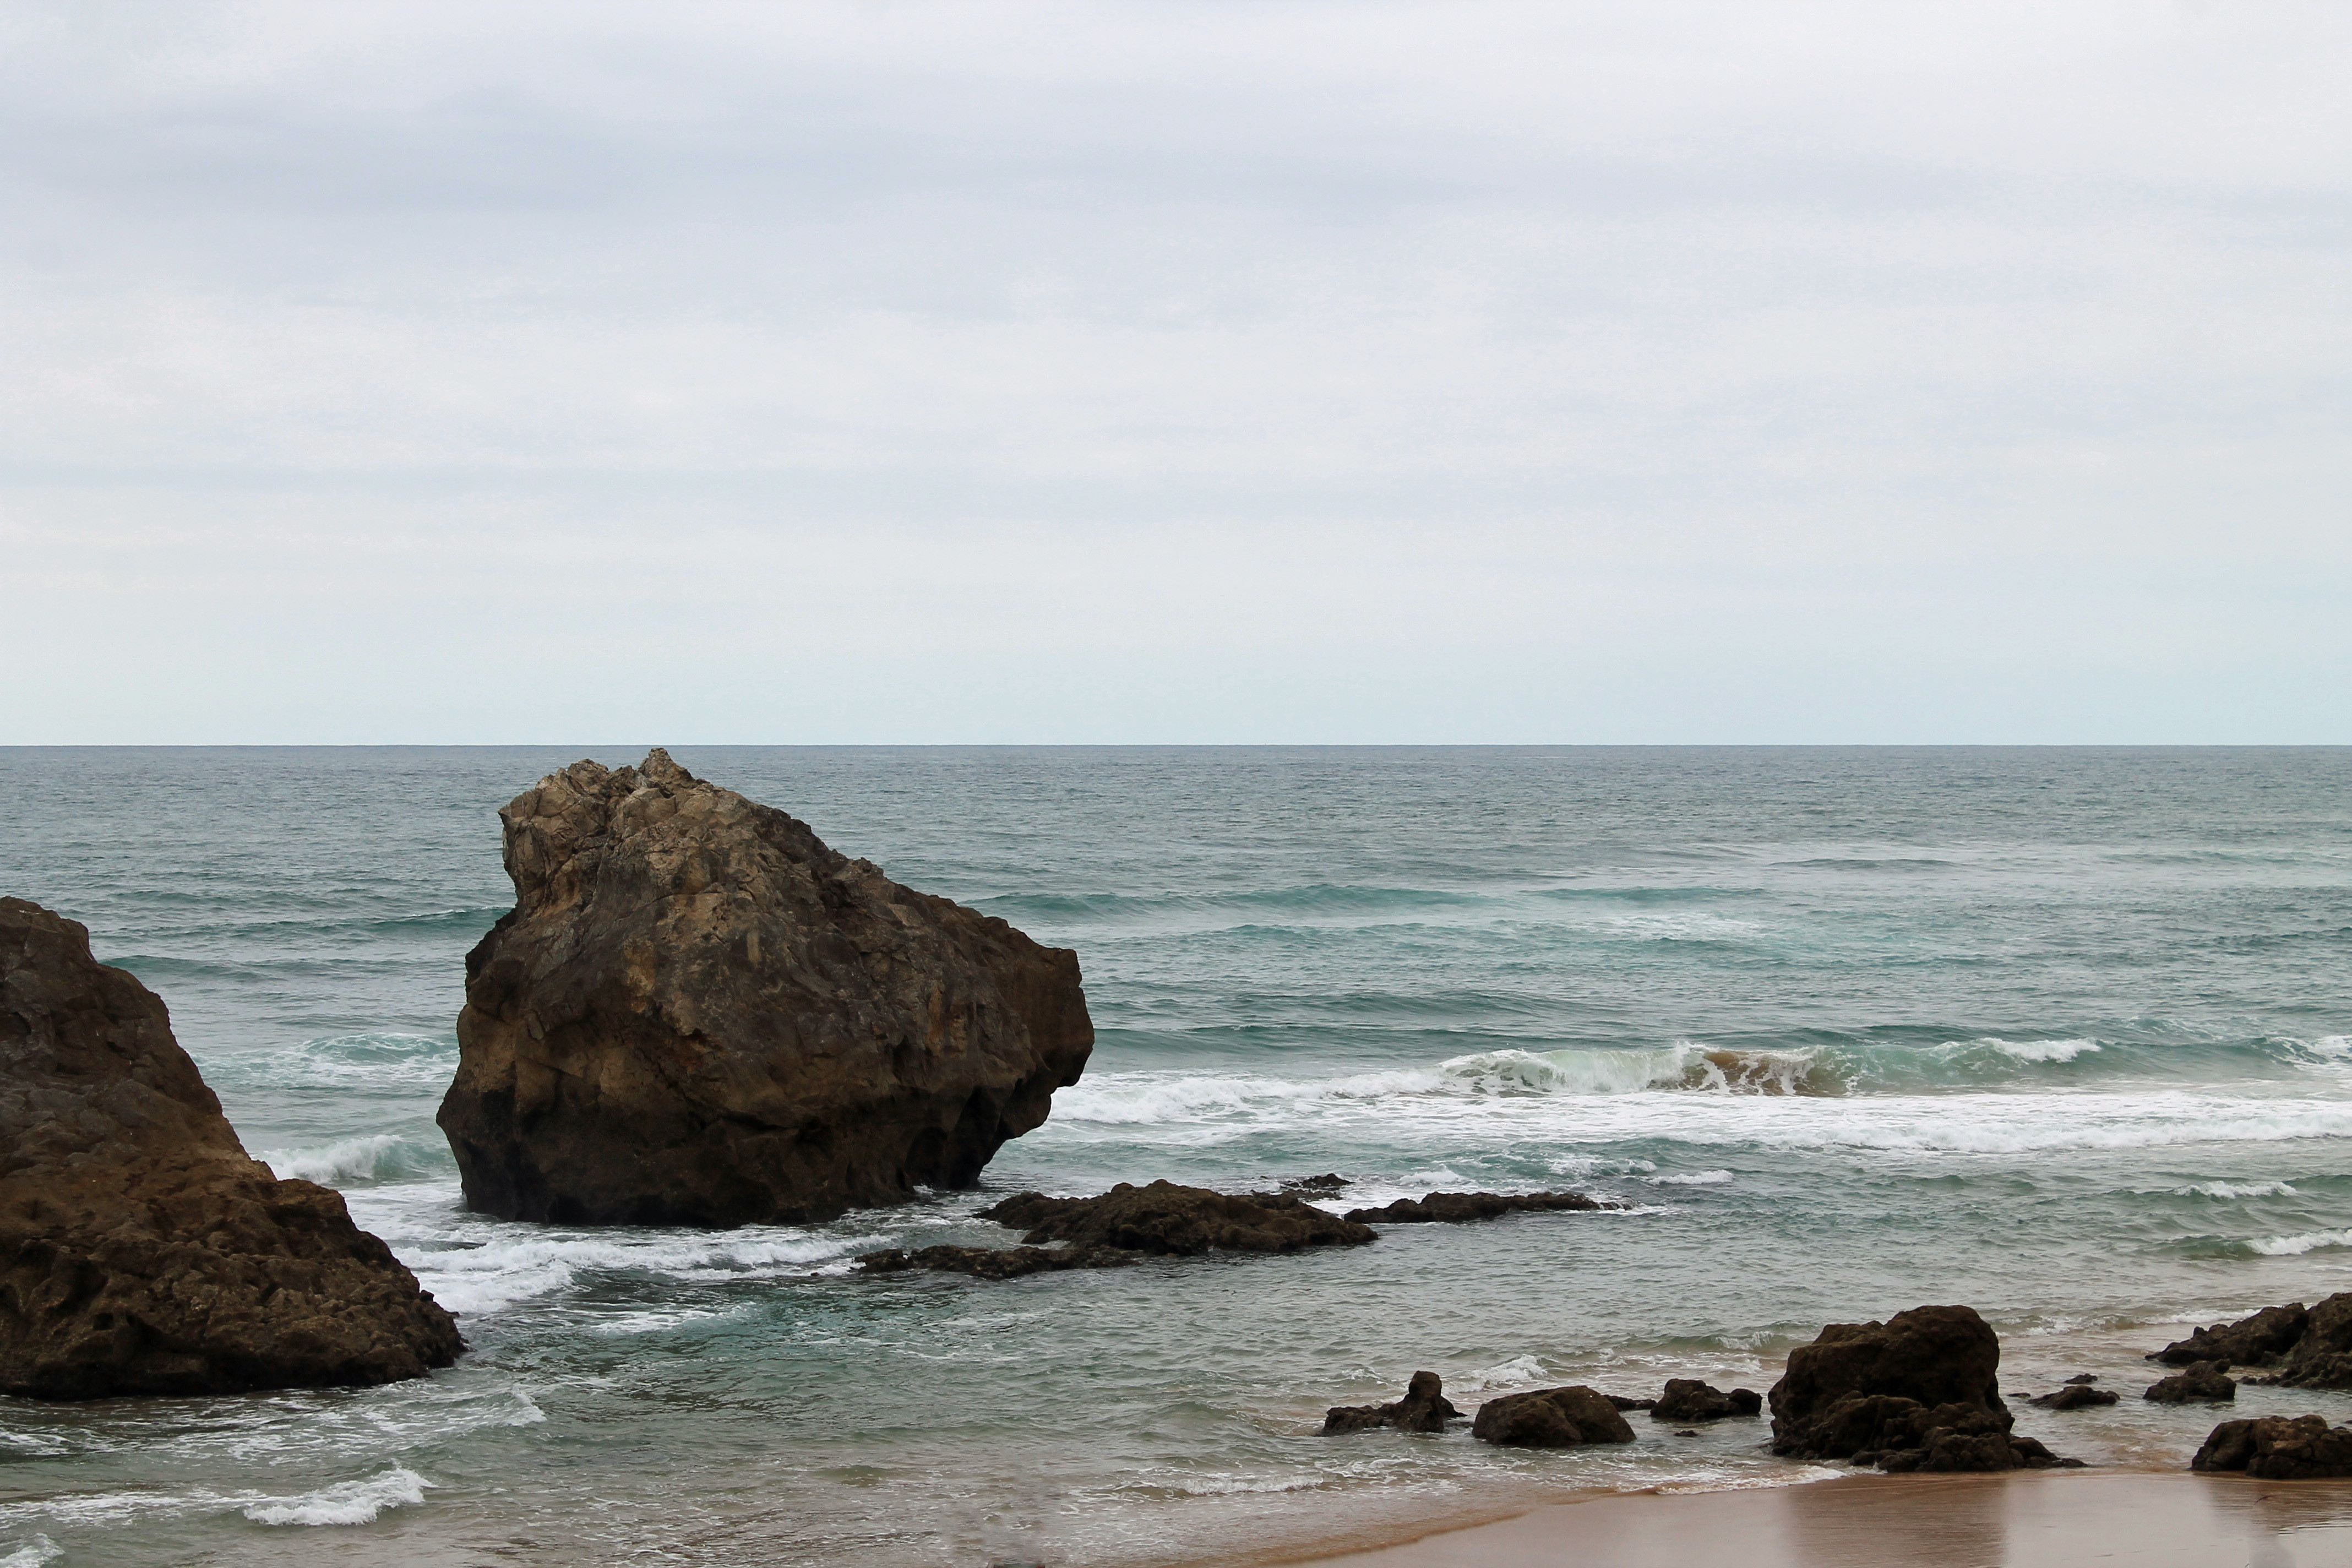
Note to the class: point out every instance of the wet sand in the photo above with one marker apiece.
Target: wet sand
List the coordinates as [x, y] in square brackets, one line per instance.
[2036, 1519]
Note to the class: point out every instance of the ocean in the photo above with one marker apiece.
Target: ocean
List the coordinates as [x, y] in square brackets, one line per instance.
[2061, 1033]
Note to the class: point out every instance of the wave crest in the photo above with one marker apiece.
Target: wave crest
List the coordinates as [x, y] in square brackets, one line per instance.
[345, 1502]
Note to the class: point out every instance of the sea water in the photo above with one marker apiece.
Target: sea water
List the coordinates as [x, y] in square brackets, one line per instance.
[2060, 1034]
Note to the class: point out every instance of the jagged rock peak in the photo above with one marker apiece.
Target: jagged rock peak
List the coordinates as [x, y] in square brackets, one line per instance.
[698, 1014]
[142, 1250]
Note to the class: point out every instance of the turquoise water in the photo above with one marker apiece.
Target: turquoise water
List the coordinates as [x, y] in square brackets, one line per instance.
[2066, 1034]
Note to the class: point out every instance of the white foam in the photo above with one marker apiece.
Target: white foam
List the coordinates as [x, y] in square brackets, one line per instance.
[1803, 1475]
[499, 1273]
[2293, 1246]
[2036, 1050]
[345, 1502]
[2237, 1189]
[1519, 1372]
[353, 1160]
[1694, 1179]
[32, 1551]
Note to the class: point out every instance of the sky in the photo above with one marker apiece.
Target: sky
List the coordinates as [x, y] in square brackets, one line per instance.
[1229, 371]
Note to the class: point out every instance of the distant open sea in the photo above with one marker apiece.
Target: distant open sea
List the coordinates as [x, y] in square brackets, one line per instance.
[2060, 1034]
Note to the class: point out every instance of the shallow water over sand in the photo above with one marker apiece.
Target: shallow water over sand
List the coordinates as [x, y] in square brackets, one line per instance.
[2060, 1034]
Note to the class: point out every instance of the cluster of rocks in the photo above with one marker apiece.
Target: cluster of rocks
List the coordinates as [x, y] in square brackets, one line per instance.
[2278, 1448]
[142, 1250]
[1544, 1417]
[1457, 1207]
[2295, 1346]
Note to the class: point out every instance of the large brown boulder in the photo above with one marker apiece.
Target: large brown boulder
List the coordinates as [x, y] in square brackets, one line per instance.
[2278, 1448]
[1918, 1392]
[2204, 1380]
[1550, 1418]
[141, 1251]
[696, 1014]
[1169, 1220]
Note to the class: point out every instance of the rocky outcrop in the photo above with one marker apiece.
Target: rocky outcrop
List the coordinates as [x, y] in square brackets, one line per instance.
[1423, 1408]
[141, 1251]
[1451, 1207]
[2278, 1448]
[1550, 1418]
[1168, 1220]
[696, 1014]
[2204, 1380]
[1686, 1399]
[2256, 1341]
[1918, 1392]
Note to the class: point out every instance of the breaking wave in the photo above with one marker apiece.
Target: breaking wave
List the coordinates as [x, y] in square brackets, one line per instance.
[380, 1157]
[345, 1502]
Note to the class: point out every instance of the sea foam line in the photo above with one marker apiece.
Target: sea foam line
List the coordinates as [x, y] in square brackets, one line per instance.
[345, 1502]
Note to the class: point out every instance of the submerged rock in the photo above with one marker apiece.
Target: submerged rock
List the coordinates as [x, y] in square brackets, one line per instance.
[1423, 1408]
[1177, 1221]
[2076, 1396]
[996, 1262]
[2255, 1341]
[1918, 1392]
[1688, 1399]
[1550, 1418]
[2278, 1448]
[2204, 1380]
[696, 1014]
[142, 1250]
[1448, 1207]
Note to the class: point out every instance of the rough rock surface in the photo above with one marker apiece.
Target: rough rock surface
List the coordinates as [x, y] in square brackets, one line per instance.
[1550, 1418]
[2322, 1356]
[696, 1014]
[2278, 1448]
[1423, 1408]
[141, 1251]
[1447, 1207]
[2204, 1380]
[1686, 1399]
[1179, 1221]
[2256, 1341]
[1918, 1392]
[2076, 1396]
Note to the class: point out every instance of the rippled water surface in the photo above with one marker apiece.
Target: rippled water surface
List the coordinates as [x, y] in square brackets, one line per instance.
[2060, 1034]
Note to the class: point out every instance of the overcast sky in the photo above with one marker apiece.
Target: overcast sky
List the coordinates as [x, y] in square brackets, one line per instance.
[1225, 371]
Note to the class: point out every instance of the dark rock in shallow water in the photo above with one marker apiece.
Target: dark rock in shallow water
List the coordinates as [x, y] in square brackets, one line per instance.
[2255, 1341]
[1919, 1392]
[141, 1251]
[1423, 1408]
[1447, 1206]
[2076, 1396]
[1329, 1182]
[1688, 1399]
[2204, 1380]
[996, 1262]
[1622, 1402]
[1179, 1221]
[2278, 1448]
[2083, 1377]
[1550, 1418]
[2322, 1357]
[696, 1014]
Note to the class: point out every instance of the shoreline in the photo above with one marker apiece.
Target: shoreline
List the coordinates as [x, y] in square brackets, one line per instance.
[2022, 1519]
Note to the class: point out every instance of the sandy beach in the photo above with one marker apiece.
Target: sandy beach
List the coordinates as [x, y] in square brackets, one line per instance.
[2037, 1519]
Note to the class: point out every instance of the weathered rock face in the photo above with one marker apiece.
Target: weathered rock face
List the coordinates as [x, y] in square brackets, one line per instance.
[2322, 1355]
[2278, 1448]
[698, 1014]
[140, 1250]
[2249, 1342]
[1686, 1399]
[2204, 1380]
[1169, 1220]
[1918, 1392]
[1423, 1408]
[1550, 1418]
[1455, 1206]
